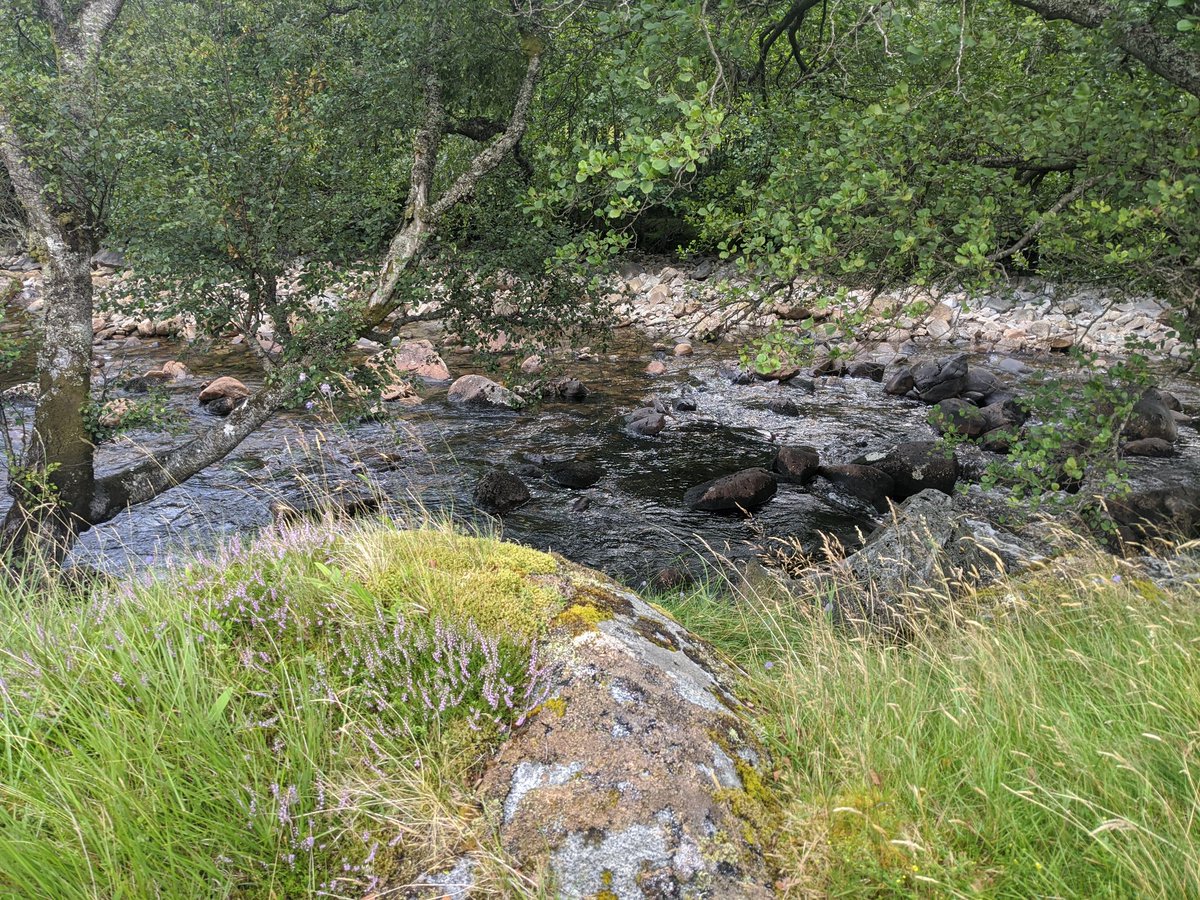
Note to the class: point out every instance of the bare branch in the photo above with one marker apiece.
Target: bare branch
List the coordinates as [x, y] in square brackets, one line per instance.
[1062, 203]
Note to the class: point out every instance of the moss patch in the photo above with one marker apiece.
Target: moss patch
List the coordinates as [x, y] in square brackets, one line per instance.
[459, 579]
[581, 617]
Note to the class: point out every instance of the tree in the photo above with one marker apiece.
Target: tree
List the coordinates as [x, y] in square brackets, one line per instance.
[65, 179]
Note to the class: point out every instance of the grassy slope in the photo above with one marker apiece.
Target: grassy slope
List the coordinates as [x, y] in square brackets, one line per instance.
[301, 717]
[1045, 745]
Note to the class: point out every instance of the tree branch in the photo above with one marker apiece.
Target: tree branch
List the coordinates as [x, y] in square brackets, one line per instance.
[1141, 40]
[1062, 203]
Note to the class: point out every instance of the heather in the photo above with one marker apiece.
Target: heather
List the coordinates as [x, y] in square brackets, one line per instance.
[259, 723]
[1037, 738]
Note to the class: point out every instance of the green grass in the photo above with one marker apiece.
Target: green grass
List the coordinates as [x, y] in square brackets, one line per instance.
[1042, 742]
[259, 724]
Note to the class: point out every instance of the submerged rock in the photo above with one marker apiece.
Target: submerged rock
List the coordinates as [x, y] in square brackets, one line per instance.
[501, 491]
[864, 482]
[916, 466]
[746, 490]
[645, 422]
[797, 464]
[573, 473]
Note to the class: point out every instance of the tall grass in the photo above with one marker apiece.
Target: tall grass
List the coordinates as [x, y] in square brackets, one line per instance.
[1045, 745]
[257, 724]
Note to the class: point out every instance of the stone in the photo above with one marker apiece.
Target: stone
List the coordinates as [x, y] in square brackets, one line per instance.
[400, 392]
[638, 777]
[645, 422]
[224, 387]
[683, 349]
[916, 466]
[573, 473]
[1151, 447]
[1169, 513]
[176, 370]
[532, 365]
[109, 259]
[656, 367]
[476, 390]
[998, 440]
[900, 383]
[797, 464]
[783, 407]
[571, 389]
[685, 404]
[941, 380]
[864, 482]
[114, 412]
[746, 490]
[416, 357]
[1003, 414]
[221, 406]
[500, 491]
[660, 293]
[872, 370]
[981, 381]
[958, 417]
[1151, 418]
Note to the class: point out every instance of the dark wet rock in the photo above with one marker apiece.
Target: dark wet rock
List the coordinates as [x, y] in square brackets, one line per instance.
[224, 388]
[941, 380]
[797, 464]
[139, 384]
[500, 491]
[638, 777]
[900, 383]
[583, 504]
[784, 407]
[916, 466]
[530, 470]
[864, 482]
[645, 422]
[1152, 447]
[1151, 418]
[475, 390]
[959, 417]
[685, 404]
[1171, 401]
[782, 375]
[574, 473]
[109, 259]
[829, 368]
[341, 500]
[1004, 414]
[745, 490]
[571, 389]
[222, 406]
[1166, 513]
[871, 370]
[998, 440]
[981, 381]
[738, 375]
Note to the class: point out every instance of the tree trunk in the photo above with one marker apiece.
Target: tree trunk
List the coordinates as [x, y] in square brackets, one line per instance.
[52, 486]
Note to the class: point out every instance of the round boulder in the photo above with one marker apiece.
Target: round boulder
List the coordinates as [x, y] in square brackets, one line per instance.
[501, 491]
[916, 466]
[796, 464]
[226, 388]
[959, 417]
[1152, 418]
[745, 490]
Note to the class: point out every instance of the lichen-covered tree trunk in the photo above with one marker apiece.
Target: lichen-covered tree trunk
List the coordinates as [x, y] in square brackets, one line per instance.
[52, 484]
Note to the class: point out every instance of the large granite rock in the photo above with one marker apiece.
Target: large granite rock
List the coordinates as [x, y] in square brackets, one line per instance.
[476, 390]
[745, 490]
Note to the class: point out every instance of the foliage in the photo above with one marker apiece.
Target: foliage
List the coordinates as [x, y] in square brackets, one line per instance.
[991, 756]
[257, 723]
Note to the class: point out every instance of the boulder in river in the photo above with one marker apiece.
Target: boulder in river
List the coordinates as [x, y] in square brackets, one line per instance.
[571, 389]
[573, 473]
[959, 417]
[476, 390]
[224, 387]
[783, 407]
[501, 491]
[866, 369]
[900, 383]
[1152, 447]
[746, 490]
[645, 422]
[916, 466]
[797, 464]
[1152, 418]
[417, 358]
[941, 380]
[864, 482]
[1003, 414]
[656, 367]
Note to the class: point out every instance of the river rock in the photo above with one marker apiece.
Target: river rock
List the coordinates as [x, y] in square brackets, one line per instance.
[900, 383]
[1152, 447]
[638, 777]
[941, 380]
[226, 388]
[645, 422]
[221, 407]
[1170, 512]
[959, 417]
[416, 357]
[476, 390]
[571, 389]
[746, 490]
[573, 473]
[683, 349]
[1151, 418]
[916, 466]
[1003, 414]
[656, 367]
[981, 381]
[797, 464]
[783, 407]
[532, 365]
[864, 482]
[871, 370]
[500, 491]
[998, 440]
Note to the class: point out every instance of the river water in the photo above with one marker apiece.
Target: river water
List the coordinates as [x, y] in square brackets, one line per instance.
[631, 524]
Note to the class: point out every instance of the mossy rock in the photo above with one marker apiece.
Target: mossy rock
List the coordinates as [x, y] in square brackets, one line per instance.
[639, 777]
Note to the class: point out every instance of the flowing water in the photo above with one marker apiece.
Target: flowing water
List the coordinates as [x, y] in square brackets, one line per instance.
[631, 524]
